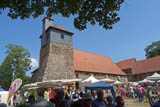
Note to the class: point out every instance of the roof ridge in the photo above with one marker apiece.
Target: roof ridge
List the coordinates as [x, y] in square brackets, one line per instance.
[91, 53]
[148, 58]
[126, 60]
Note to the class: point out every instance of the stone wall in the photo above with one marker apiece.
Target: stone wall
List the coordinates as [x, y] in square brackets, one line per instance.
[84, 75]
[129, 74]
[140, 77]
[34, 76]
[56, 62]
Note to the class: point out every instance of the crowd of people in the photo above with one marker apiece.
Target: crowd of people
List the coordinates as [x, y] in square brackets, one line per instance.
[63, 97]
[68, 98]
[150, 91]
[147, 90]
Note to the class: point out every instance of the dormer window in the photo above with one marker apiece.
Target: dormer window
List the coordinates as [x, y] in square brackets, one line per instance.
[62, 36]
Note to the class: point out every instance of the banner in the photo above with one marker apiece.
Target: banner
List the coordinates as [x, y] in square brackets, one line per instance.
[13, 88]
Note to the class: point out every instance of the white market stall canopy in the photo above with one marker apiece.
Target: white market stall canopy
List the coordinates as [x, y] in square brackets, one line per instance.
[31, 85]
[107, 80]
[135, 83]
[154, 77]
[63, 80]
[4, 96]
[117, 82]
[91, 79]
[145, 80]
[50, 83]
[33, 88]
[56, 83]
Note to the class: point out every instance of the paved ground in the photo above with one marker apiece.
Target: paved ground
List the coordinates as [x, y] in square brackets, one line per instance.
[135, 103]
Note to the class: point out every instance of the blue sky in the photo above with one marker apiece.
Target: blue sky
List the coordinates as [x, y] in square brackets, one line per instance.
[138, 28]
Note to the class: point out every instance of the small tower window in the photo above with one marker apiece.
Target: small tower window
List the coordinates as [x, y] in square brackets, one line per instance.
[47, 37]
[62, 36]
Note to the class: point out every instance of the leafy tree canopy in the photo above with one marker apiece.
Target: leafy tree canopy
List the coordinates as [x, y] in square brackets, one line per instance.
[17, 62]
[153, 49]
[103, 12]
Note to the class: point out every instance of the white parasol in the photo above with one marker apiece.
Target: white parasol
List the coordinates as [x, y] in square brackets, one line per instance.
[91, 79]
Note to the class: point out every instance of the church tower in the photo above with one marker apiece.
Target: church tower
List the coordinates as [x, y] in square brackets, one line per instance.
[56, 54]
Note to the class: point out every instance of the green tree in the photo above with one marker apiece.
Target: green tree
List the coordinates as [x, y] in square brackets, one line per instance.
[15, 65]
[103, 12]
[153, 49]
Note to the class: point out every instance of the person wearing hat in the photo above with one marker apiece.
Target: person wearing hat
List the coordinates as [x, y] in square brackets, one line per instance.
[84, 102]
[110, 101]
[87, 99]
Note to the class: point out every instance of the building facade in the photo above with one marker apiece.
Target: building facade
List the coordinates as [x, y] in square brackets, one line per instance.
[58, 60]
[138, 70]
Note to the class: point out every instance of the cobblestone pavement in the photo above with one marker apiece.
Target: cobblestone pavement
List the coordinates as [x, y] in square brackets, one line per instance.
[135, 103]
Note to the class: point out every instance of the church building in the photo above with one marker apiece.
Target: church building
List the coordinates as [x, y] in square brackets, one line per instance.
[58, 59]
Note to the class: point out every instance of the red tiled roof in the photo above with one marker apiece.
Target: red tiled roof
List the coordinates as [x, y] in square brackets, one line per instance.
[58, 28]
[126, 64]
[148, 65]
[84, 61]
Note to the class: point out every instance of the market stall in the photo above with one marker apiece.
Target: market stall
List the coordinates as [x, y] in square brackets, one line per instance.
[91, 79]
[107, 80]
[3, 96]
[154, 77]
[117, 82]
[101, 86]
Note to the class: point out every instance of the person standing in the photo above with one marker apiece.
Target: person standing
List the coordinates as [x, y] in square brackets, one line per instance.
[120, 102]
[110, 101]
[68, 95]
[156, 104]
[46, 94]
[140, 94]
[51, 93]
[99, 101]
[84, 102]
[76, 96]
[132, 92]
[121, 90]
[0, 99]
[94, 96]
[18, 99]
[42, 102]
[58, 97]
[31, 100]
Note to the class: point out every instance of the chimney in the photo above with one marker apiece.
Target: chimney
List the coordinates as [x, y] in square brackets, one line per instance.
[47, 21]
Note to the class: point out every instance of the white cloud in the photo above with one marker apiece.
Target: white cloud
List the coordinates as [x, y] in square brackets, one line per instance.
[34, 62]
